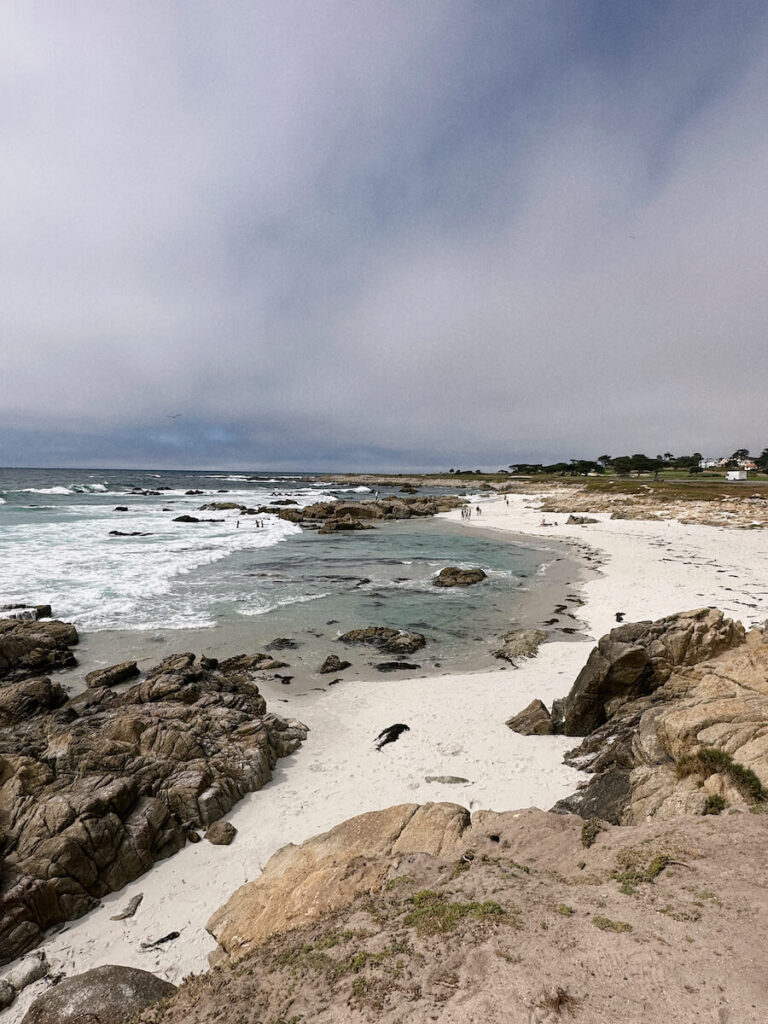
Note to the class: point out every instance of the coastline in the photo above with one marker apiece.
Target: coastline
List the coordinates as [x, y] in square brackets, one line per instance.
[648, 569]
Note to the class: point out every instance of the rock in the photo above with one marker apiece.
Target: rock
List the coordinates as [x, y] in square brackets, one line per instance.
[282, 643]
[26, 971]
[534, 720]
[222, 506]
[391, 641]
[395, 666]
[7, 994]
[104, 995]
[521, 643]
[113, 675]
[333, 663]
[130, 533]
[120, 508]
[95, 790]
[284, 501]
[221, 833]
[26, 612]
[33, 648]
[720, 703]
[324, 874]
[20, 701]
[186, 519]
[343, 525]
[637, 657]
[447, 780]
[452, 576]
[579, 520]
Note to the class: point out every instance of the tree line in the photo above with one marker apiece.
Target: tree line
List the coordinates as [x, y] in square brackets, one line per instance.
[623, 465]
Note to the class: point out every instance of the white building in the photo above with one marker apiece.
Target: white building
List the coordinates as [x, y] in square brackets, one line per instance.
[736, 474]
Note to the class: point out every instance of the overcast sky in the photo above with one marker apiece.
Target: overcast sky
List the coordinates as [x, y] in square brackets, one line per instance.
[381, 233]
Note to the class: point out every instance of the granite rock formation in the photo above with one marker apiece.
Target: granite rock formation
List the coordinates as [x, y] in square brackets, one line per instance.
[104, 995]
[29, 648]
[452, 576]
[95, 789]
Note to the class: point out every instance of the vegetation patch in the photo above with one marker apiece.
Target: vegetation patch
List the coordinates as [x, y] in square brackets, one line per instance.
[605, 924]
[590, 830]
[711, 761]
[433, 914]
[631, 871]
[714, 804]
[565, 910]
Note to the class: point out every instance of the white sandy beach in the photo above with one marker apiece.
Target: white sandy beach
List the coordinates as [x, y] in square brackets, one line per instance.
[648, 570]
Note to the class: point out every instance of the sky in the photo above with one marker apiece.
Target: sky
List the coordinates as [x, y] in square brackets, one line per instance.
[381, 234]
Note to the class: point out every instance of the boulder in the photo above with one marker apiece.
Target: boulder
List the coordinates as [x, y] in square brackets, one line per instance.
[221, 833]
[452, 576]
[95, 790]
[300, 884]
[104, 995]
[33, 648]
[112, 675]
[186, 519]
[333, 663]
[534, 720]
[637, 657]
[27, 612]
[520, 643]
[573, 520]
[222, 506]
[391, 641]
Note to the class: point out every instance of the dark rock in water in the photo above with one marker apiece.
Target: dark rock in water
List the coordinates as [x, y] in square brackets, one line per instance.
[33, 648]
[452, 576]
[333, 663]
[395, 666]
[107, 995]
[132, 533]
[343, 525]
[282, 643]
[112, 675]
[534, 720]
[636, 658]
[391, 641]
[27, 612]
[106, 784]
[120, 508]
[284, 501]
[194, 492]
[391, 734]
[222, 506]
[221, 833]
[580, 520]
[186, 519]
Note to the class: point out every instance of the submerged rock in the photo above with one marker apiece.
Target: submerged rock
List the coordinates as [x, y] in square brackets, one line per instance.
[452, 576]
[392, 641]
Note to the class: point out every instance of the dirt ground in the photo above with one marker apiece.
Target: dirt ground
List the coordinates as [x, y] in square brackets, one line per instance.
[661, 922]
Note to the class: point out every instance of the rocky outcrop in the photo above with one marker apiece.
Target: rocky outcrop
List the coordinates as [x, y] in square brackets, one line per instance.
[113, 675]
[345, 516]
[300, 884]
[681, 713]
[26, 612]
[636, 658]
[94, 790]
[520, 643]
[391, 641]
[104, 995]
[422, 914]
[29, 648]
[452, 576]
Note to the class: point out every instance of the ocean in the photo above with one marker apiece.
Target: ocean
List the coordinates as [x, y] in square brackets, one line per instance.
[238, 583]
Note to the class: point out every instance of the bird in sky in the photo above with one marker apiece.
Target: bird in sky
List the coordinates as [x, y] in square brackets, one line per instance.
[175, 416]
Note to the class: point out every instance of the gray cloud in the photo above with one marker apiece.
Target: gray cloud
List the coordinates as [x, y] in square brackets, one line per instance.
[379, 234]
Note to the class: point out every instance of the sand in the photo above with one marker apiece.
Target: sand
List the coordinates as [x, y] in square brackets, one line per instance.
[647, 570]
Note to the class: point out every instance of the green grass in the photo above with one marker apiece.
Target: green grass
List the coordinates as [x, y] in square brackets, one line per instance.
[590, 830]
[714, 804]
[711, 761]
[433, 914]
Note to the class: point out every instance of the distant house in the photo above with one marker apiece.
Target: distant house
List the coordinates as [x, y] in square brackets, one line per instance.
[747, 464]
[708, 463]
[736, 474]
